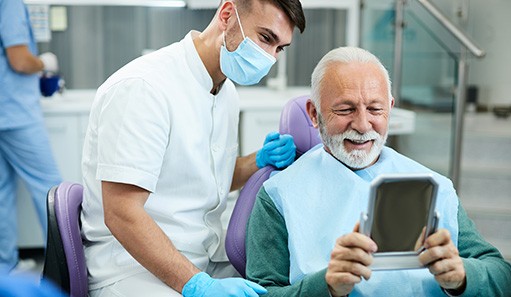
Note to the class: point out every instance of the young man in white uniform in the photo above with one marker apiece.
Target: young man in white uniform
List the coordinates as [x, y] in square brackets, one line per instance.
[160, 156]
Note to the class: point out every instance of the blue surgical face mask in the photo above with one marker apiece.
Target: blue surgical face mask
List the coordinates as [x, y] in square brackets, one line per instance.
[248, 64]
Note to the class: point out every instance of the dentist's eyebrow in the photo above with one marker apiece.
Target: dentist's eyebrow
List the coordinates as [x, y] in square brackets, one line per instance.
[274, 37]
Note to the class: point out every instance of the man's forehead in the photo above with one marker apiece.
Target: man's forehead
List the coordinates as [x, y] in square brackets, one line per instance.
[356, 74]
[349, 85]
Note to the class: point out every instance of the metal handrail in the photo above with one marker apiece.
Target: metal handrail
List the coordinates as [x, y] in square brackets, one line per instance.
[459, 112]
[453, 29]
[398, 51]
[467, 46]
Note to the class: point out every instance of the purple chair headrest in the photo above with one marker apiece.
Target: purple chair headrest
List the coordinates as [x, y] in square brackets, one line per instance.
[295, 121]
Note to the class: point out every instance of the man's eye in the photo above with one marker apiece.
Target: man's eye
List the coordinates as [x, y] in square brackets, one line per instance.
[265, 38]
[343, 111]
[280, 49]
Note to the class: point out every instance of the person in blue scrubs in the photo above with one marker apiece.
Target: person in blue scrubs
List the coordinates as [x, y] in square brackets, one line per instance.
[24, 146]
[27, 286]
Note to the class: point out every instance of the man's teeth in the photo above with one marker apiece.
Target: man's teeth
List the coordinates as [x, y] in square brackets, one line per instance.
[358, 141]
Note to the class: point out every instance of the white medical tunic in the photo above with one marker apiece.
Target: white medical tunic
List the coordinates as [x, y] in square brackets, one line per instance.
[155, 124]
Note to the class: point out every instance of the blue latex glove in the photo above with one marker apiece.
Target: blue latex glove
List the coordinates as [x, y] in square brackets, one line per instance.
[202, 285]
[278, 150]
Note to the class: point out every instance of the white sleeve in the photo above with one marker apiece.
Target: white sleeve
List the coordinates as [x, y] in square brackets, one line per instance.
[133, 134]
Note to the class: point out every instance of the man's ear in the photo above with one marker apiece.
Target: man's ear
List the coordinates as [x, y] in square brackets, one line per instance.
[312, 112]
[392, 102]
[225, 11]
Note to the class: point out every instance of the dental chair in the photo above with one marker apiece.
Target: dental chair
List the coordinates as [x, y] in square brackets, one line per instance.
[64, 262]
[295, 121]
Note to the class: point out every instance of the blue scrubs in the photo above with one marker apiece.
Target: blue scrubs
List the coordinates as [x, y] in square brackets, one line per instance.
[24, 144]
[26, 286]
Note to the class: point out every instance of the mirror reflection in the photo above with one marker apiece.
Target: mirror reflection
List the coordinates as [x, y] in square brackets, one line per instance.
[401, 214]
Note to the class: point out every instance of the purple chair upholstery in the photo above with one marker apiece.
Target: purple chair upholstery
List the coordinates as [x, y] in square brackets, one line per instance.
[64, 262]
[294, 120]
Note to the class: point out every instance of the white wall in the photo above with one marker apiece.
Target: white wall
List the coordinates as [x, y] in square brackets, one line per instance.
[489, 23]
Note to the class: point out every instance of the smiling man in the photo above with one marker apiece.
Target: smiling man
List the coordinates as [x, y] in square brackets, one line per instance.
[354, 121]
[160, 156]
[302, 237]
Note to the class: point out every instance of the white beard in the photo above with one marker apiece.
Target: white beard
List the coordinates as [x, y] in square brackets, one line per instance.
[356, 159]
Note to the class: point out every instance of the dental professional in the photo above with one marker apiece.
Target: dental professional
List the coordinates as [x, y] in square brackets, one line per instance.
[160, 156]
[25, 150]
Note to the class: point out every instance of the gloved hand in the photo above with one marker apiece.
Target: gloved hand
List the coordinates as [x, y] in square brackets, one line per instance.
[278, 150]
[202, 285]
[50, 62]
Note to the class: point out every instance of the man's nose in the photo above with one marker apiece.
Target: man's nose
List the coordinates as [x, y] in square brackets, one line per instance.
[273, 52]
[361, 123]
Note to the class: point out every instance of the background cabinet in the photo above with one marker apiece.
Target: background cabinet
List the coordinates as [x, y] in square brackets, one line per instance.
[256, 125]
[66, 131]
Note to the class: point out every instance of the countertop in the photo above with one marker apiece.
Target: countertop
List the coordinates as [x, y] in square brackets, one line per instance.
[79, 101]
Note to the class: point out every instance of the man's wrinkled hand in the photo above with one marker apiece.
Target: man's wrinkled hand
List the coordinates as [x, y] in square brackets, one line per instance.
[443, 261]
[349, 262]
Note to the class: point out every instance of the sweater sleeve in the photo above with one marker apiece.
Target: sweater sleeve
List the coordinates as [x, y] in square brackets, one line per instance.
[488, 274]
[268, 254]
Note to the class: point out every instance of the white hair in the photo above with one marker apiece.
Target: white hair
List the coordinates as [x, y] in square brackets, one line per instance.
[343, 55]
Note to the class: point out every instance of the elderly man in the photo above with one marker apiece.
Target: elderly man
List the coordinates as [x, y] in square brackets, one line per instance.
[302, 235]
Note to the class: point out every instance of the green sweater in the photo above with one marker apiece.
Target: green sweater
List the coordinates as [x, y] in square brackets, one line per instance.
[488, 274]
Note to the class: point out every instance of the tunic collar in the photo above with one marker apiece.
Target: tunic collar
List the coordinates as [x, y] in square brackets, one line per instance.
[195, 63]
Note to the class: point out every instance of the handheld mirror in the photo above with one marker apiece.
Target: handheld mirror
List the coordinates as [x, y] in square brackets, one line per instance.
[401, 208]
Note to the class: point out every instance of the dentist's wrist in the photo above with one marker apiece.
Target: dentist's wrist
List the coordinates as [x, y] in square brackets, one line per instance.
[197, 285]
[260, 163]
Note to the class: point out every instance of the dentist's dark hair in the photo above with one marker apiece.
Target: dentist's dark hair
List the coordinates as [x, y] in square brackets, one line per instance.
[292, 8]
